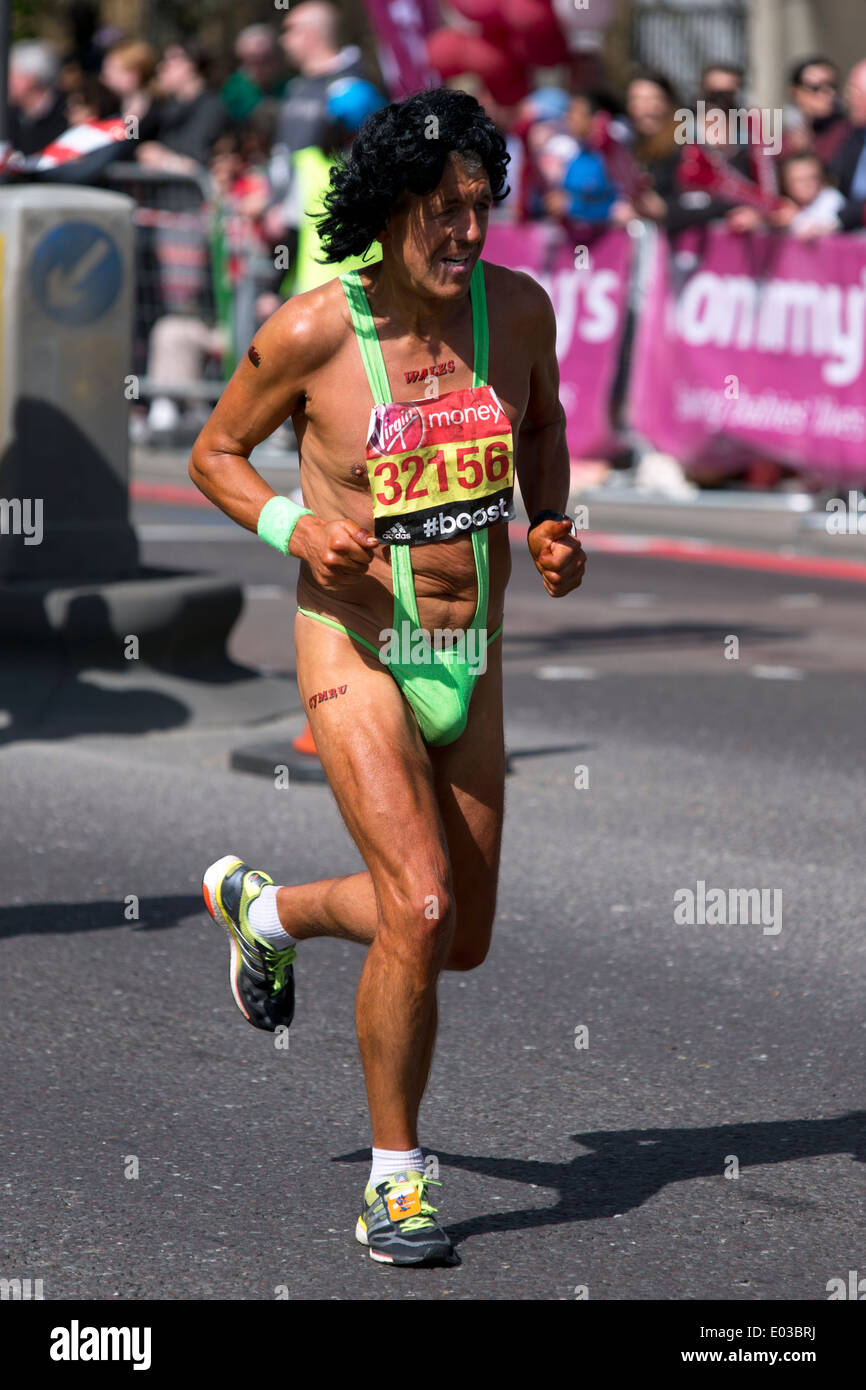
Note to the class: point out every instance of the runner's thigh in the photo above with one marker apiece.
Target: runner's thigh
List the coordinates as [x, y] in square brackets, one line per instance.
[377, 765]
[469, 777]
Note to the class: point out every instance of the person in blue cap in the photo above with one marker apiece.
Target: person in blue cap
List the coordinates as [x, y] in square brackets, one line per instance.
[350, 101]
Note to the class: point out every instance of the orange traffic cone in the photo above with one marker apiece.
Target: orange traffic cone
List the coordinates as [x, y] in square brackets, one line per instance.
[305, 742]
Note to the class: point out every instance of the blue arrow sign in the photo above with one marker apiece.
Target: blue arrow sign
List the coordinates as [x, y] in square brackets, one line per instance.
[76, 273]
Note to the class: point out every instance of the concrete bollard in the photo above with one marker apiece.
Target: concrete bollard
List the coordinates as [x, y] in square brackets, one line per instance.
[66, 305]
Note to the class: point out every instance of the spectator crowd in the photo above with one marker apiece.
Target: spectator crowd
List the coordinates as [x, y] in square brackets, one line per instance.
[588, 155]
[289, 91]
[262, 144]
[257, 149]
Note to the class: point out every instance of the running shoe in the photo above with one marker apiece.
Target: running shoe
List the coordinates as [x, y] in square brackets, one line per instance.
[261, 977]
[397, 1223]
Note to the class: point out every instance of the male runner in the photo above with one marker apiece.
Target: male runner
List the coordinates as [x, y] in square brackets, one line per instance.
[412, 745]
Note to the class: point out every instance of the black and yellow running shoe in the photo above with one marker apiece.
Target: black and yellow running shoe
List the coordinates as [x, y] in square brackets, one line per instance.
[261, 977]
[397, 1223]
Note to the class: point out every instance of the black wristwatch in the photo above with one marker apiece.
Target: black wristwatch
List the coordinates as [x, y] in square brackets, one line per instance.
[548, 515]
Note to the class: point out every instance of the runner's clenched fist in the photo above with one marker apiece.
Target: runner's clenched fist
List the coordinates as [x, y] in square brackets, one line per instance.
[559, 556]
[338, 552]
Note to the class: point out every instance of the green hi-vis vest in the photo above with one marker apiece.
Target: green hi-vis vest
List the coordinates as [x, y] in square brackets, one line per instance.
[313, 172]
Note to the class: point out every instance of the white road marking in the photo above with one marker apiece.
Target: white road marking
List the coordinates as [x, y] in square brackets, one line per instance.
[799, 600]
[618, 543]
[633, 600]
[566, 673]
[777, 673]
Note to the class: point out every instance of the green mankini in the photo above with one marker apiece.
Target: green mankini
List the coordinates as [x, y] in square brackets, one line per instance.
[458, 450]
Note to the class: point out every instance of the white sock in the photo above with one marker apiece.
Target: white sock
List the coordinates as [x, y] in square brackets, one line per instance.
[265, 920]
[386, 1162]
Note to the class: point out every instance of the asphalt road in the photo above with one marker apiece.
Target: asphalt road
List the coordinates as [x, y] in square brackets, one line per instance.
[711, 1047]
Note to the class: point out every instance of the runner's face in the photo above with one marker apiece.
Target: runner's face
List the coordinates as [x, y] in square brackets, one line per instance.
[440, 235]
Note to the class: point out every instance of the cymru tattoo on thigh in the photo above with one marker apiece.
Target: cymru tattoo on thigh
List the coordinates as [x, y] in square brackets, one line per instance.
[323, 695]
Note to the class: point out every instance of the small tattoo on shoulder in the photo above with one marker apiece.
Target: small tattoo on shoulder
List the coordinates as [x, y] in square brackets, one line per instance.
[322, 695]
[254, 355]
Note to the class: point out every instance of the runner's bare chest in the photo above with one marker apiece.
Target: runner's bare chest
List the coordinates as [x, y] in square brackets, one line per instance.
[333, 422]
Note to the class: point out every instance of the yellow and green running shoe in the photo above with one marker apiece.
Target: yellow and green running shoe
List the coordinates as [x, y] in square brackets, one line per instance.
[397, 1223]
[261, 977]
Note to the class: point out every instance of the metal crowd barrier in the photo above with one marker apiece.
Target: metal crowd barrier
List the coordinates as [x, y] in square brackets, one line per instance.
[173, 263]
[198, 274]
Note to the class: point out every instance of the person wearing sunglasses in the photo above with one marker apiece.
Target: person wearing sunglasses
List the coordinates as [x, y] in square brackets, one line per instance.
[720, 85]
[815, 96]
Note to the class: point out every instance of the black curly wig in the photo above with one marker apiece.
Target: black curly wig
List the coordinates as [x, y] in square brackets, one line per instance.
[394, 153]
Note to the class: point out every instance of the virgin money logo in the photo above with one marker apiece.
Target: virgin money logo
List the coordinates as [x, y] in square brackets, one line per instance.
[396, 428]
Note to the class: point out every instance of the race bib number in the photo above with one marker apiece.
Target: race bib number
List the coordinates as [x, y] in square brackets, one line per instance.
[440, 467]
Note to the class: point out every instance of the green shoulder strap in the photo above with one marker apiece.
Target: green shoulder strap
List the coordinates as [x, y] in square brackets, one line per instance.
[480, 332]
[371, 348]
[368, 338]
[481, 345]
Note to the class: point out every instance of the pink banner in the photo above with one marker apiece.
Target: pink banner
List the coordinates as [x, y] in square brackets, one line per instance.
[755, 343]
[400, 28]
[588, 286]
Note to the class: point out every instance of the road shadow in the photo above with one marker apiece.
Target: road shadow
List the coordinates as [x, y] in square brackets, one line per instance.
[152, 662]
[154, 914]
[548, 750]
[666, 635]
[626, 1168]
[46, 701]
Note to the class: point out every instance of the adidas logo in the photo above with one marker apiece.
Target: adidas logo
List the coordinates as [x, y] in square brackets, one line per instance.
[397, 532]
